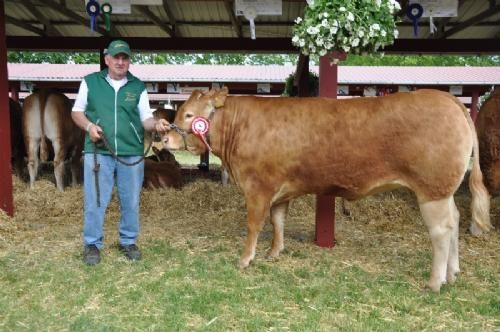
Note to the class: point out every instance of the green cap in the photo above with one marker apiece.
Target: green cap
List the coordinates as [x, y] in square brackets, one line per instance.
[117, 47]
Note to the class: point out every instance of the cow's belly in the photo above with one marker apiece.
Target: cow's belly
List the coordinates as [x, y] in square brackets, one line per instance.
[289, 190]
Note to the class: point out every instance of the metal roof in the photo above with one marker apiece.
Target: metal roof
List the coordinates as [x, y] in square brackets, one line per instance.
[179, 19]
[266, 74]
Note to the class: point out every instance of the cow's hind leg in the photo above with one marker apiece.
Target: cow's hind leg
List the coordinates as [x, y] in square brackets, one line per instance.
[278, 217]
[257, 208]
[33, 143]
[440, 218]
[59, 155]
[453, 262]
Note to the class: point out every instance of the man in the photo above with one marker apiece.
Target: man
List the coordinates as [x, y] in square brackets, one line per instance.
[112, 106]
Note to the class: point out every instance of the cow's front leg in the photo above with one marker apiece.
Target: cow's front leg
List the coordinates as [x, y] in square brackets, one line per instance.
[257, 208]
[278, 217]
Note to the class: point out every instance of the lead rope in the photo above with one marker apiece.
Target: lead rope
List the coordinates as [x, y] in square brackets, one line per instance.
[115, 157]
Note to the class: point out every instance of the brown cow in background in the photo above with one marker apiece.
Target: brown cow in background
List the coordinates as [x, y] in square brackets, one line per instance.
[16, 137]
[488, 132]
[161, 170]
[47, 114]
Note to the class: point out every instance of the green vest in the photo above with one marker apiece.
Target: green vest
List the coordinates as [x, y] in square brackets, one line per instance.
[116, 113]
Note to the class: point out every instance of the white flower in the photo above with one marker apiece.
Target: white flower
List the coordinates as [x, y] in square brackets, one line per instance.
[312, 30]
[357, 26]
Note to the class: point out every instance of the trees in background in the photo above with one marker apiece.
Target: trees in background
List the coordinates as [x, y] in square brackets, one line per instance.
[257, 59]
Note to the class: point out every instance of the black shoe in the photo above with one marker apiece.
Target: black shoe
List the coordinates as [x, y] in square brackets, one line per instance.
[91, 255]
[131, 251]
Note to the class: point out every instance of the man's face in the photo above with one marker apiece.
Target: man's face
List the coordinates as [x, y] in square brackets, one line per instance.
[118, 65]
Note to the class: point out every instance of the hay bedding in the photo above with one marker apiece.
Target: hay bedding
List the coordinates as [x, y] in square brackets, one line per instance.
[378, 235]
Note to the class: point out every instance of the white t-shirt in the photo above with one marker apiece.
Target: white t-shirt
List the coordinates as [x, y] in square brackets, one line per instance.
[143, 106]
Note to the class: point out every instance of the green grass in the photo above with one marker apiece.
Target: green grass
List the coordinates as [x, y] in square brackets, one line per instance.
[186, 158]
[189, 279]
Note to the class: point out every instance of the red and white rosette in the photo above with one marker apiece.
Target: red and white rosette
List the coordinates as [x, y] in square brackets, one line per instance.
[200, 126]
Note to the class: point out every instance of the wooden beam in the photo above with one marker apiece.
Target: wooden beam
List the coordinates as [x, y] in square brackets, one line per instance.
[144, 10]
[234, 20]
[171, 19]
[260, 45]
[6, 187]
[25, 26]
[51, 30]
[472, 21]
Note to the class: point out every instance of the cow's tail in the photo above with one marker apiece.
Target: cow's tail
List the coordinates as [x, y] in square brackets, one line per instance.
[42, 101]
[480, 204]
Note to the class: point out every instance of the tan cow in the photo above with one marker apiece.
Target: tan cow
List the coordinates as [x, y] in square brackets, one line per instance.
[47, 115]
[488, 131]
[276, 149]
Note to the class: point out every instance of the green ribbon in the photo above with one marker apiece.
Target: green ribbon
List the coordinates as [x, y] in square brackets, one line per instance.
[106, 10]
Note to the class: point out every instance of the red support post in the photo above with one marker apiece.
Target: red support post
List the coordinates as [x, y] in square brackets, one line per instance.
[6, 196]
[325, 204]
[473, 105]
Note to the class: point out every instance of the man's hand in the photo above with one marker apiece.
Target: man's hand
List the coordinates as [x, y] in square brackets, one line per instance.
[162, 125]
[95, 133]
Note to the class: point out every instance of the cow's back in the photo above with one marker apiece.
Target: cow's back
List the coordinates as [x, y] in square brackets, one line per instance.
[350, 148]
[488, 131]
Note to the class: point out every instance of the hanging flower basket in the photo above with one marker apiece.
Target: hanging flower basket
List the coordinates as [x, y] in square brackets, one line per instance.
[356, 26]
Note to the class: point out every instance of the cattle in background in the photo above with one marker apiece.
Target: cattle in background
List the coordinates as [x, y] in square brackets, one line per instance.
[488, 131]
[18, 151]
[277, 149]
[161, 170]
[160, 113]
[47, 115]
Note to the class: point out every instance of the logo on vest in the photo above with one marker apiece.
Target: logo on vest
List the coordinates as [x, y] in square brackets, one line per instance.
[129, 96]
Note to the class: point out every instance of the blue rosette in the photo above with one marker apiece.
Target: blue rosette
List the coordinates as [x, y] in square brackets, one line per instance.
[93, 10]
[414, 13]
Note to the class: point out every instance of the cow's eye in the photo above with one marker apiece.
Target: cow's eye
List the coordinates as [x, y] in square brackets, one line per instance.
[189, 115]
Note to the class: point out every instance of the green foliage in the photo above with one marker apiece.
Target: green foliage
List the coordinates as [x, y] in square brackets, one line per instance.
[257, 59]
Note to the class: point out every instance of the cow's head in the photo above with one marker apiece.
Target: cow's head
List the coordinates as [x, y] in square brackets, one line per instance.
[199, 104]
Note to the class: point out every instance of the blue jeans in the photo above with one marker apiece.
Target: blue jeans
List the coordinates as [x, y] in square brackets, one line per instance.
[129, 185]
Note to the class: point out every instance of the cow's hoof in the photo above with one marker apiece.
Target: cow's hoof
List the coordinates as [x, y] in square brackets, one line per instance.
[273, 254]
[475, 230]
[434, 286]
[244, 262]
[451, 276]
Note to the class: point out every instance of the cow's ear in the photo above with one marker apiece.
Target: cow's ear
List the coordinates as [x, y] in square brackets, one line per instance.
[220, 97]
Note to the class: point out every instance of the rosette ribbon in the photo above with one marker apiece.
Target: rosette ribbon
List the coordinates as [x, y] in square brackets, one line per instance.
[415, 12]
[107, 9]
[200, 126]
[93, 11]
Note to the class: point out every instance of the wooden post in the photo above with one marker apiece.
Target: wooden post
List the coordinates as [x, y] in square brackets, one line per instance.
[325, 204]
[6, 196]
[473, 105]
